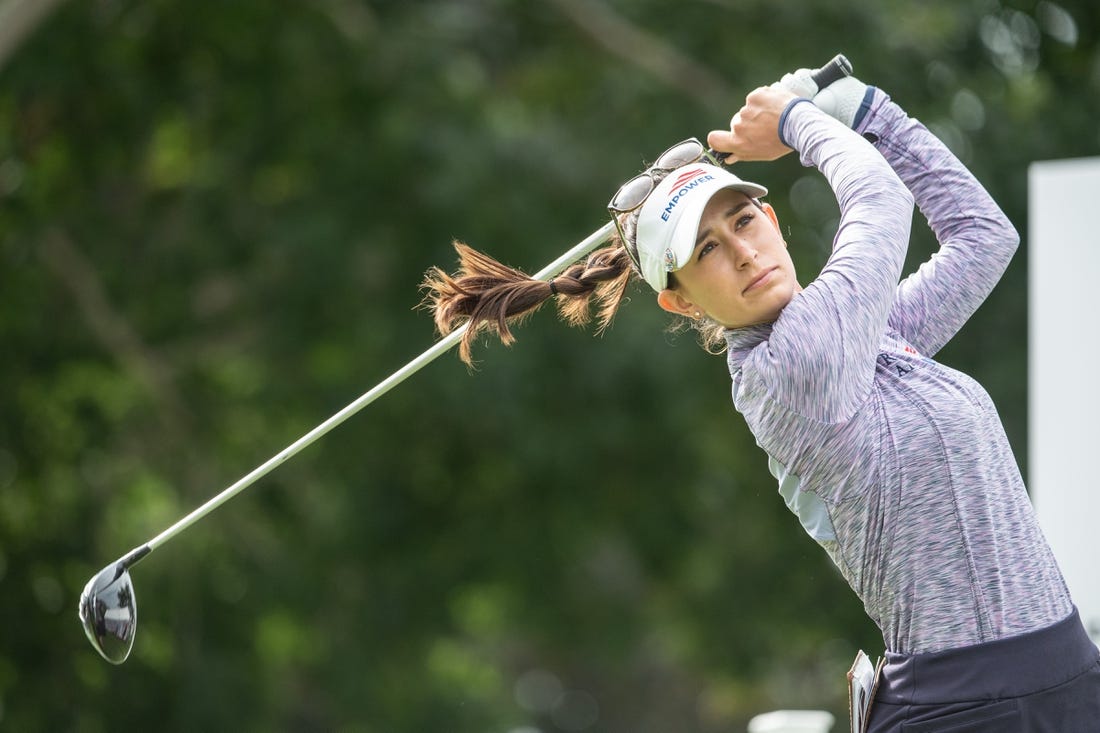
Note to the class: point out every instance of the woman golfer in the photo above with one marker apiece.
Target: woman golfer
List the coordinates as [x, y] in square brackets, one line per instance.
[897, 465]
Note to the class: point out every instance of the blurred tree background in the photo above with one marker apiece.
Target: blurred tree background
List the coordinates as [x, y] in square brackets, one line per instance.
[214, 217]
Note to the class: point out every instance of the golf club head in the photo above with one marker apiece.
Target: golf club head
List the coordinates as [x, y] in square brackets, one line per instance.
[108, 611]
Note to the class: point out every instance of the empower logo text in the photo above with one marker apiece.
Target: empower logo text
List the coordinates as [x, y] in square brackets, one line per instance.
[685, 189]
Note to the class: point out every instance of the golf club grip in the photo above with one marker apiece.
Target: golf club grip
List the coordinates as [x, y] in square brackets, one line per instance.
[835, 70]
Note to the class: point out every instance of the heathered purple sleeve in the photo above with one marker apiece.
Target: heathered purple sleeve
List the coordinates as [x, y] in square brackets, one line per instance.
[820, 360]
[976, 238]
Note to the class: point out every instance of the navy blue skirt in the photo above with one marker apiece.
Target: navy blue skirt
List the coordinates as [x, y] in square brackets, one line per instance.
[1045, 681]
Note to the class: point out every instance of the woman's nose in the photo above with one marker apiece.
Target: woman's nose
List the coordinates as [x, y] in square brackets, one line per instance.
[743, 252]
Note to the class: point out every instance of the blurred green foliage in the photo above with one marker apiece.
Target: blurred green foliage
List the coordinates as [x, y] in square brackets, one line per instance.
[213, 220]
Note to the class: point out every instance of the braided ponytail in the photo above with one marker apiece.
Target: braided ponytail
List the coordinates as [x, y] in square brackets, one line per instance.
[491, 296]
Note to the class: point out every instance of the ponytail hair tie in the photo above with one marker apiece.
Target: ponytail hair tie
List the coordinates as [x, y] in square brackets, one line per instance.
[553, 287]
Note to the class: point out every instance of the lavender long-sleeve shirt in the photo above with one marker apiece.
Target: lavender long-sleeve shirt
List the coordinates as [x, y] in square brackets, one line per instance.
[897, 465]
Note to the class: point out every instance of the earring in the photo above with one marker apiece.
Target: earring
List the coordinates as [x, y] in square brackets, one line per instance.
[698, 314]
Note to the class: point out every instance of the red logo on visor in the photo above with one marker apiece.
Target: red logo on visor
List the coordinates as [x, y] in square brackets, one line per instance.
[685, 177]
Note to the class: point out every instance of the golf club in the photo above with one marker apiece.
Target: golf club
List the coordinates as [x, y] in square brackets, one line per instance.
[108, 605]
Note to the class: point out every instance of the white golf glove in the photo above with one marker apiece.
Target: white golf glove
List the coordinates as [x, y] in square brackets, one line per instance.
[840, 100]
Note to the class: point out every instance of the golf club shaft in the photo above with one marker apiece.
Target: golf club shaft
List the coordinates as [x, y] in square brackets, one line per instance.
[577, 252]
[837, 68]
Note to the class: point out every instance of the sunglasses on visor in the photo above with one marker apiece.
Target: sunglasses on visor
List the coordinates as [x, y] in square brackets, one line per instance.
[632, 194]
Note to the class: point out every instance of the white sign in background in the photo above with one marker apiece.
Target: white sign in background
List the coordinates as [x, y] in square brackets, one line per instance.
[1064, 370]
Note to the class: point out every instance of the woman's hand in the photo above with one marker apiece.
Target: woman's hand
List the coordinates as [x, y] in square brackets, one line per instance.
[754, 130]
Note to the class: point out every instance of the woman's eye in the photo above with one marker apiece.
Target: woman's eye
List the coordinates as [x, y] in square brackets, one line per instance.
[744, 220]
[706, 248]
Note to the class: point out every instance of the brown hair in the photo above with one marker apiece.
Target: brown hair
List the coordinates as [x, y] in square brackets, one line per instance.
[491, 296]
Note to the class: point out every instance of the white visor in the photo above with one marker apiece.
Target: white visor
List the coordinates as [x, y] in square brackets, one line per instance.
[669, 220]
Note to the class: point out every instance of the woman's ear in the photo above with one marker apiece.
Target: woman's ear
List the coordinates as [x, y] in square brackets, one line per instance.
[673, 302]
